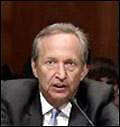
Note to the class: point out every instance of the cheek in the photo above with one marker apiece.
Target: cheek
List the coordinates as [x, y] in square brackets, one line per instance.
[44, 76]
[75, 76]
[74, 79]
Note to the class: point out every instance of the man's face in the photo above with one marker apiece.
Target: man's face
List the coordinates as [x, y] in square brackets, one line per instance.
[59, 68]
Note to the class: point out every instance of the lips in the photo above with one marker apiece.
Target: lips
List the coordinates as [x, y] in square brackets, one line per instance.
[59, 87]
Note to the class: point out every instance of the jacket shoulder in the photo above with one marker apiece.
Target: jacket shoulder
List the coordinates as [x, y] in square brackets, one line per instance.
[97, 97]
[95, 93]
[16, 98]
[13, 90]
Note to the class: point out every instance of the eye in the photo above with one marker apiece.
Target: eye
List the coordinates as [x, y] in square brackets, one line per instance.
[50, 62]
[70, 65]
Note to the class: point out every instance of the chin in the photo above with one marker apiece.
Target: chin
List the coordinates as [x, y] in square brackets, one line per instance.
[60, 98]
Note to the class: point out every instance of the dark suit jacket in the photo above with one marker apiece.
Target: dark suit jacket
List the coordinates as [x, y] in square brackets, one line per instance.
[20, 104]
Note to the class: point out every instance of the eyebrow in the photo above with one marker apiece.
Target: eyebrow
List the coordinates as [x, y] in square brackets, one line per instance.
[51, 58]
[69, 59]
[72, 59]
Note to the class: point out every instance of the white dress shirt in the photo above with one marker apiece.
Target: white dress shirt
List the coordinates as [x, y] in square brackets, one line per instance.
[63, 116]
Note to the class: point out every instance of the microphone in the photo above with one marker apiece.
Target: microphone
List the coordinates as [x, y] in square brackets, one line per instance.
[74, 101]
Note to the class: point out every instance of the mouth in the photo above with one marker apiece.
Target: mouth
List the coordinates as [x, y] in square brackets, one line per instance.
[59, 87]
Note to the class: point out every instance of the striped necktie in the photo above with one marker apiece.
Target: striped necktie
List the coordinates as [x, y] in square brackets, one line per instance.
[53, 119]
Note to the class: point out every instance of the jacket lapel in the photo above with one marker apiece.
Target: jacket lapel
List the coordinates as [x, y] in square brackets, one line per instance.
[77, 118]
[34, 115]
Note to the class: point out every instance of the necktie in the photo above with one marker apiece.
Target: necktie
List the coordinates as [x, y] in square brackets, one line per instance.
[53, 120]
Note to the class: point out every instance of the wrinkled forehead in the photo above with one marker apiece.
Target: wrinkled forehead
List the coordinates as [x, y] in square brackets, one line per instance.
[62, 46]
[61, 40]
[58, 36]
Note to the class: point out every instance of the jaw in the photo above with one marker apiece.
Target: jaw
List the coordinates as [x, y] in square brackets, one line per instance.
[57, 99]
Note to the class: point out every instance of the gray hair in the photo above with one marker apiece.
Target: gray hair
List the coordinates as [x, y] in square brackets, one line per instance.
[62, 28]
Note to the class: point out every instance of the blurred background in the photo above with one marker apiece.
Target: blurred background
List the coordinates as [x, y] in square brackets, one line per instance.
[22, 20]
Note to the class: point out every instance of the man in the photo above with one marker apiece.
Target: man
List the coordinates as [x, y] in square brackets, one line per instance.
[59, 96]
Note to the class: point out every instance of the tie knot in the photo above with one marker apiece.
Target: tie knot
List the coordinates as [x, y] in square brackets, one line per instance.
[55, 112]
[53, 120]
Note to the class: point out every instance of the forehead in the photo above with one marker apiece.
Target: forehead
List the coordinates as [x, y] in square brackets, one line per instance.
[59, 46]
[61, 40]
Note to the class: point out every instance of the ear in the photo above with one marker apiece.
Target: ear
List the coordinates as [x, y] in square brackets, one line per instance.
[34, 68]
[84, 72]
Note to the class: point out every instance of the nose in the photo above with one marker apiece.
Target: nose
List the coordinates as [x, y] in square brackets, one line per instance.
[61, 73]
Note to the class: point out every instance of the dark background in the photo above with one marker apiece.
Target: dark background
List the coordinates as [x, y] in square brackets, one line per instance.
[21, 21]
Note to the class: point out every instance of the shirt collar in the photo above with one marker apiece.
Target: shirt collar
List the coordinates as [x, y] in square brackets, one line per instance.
[66, 109]
[46, 107]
